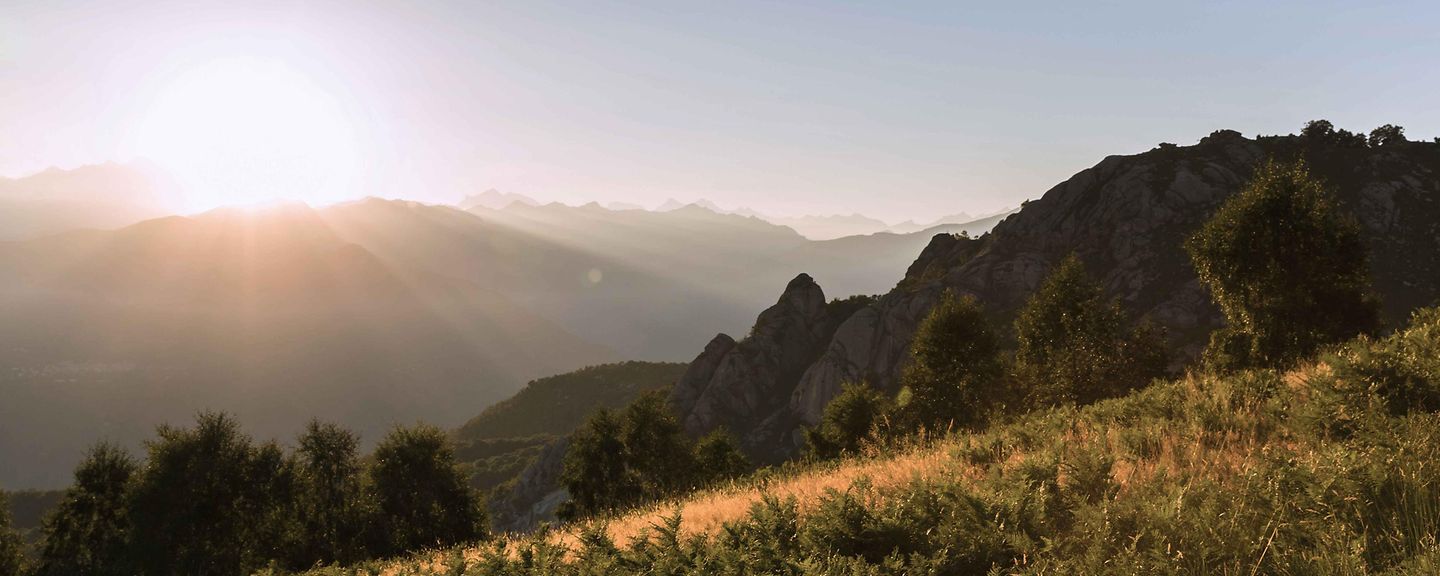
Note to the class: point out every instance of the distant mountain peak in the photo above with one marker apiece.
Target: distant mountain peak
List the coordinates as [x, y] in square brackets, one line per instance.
[495, 200]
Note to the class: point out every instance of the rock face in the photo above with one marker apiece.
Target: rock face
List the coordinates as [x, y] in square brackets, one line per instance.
[1127, 218]
[745, 386]
[536, 494]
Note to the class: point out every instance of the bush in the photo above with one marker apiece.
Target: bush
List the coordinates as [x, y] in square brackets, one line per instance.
[12, 548]
[850, 420]
[332, 505]
[88, 531]
[718, 457]
[1287, 269]
[423, 498]
[208, 500]
[1074, 344]
[954, 372]
[1387, 135]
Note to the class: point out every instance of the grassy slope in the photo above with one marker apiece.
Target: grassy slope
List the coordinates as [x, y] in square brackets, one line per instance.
[1333, 468]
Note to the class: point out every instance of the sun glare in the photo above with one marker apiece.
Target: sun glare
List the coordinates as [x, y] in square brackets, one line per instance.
[246, 131]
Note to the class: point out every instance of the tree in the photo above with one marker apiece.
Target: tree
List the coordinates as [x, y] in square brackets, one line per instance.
[208, 501]
[656, 447]
[595, 473]
[1387, 135]
[12, 549]
[718, 457]
[1318, 129]
[423, 497]
[954, 373]
[331, 502]
[1074, 345]
[88, 532]
[851, 419]
[1287, 268]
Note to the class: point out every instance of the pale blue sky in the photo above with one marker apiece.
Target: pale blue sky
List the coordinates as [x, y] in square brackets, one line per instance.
[894, 109]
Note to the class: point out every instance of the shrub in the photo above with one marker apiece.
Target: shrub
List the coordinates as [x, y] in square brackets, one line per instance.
[423, 497]
[12, 549]
[87, 533]
[718, 457]
[954, 372]
[1074, 344]
[1287, 269]
[332, 505]
[1387, 135]
[850, 420]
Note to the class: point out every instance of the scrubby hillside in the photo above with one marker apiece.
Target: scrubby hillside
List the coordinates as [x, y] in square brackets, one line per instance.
[1326, 469]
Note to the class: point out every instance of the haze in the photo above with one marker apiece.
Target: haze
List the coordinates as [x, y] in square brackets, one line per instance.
[790, 108]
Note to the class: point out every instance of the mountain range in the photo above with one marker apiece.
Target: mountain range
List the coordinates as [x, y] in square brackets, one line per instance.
[368, 313]
[1125, 218]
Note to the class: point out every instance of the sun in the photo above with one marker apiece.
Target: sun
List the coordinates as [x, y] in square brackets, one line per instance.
[244, 131]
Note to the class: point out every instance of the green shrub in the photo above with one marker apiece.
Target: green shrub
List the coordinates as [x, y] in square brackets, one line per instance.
[1287, 268]
[954, 373]
[1075, 346]
[852, 419]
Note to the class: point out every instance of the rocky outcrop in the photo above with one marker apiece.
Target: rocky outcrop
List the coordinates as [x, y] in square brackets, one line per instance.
[745, 386]
[1127, 218]
[535, 496]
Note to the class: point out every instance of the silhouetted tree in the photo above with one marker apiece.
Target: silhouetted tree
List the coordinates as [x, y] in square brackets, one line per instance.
[1318, 129]
[1387, 135]
[332, 506]
[423, 497]
[208, 501]
[718, 457]
[12, 549]
[1287, 268]
[954, 373]
[595, 472]
[656, 447]
[88, 532]
[849, 420]
[1074, 345]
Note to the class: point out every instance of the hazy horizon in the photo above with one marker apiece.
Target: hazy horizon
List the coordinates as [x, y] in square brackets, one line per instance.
[912, 112]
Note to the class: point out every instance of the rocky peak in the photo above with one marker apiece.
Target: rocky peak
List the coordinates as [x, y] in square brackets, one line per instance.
[742, 385]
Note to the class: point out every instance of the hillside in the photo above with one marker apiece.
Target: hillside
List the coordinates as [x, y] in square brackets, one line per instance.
[1326, 469]
[508, 436]
[1125, 218]
[96, 197]
[269, 315]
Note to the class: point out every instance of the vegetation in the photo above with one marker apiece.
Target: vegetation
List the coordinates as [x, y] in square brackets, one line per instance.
[850, 421]
[954, 373]
[1287, 268]
[1241, 473]
[210, 500]
[422, 496]
[88, 531]
[1074, 345]
[12, 549]
[498, 444]
[618, 460]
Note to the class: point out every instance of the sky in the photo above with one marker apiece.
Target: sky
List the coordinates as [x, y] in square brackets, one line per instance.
[898, 110]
